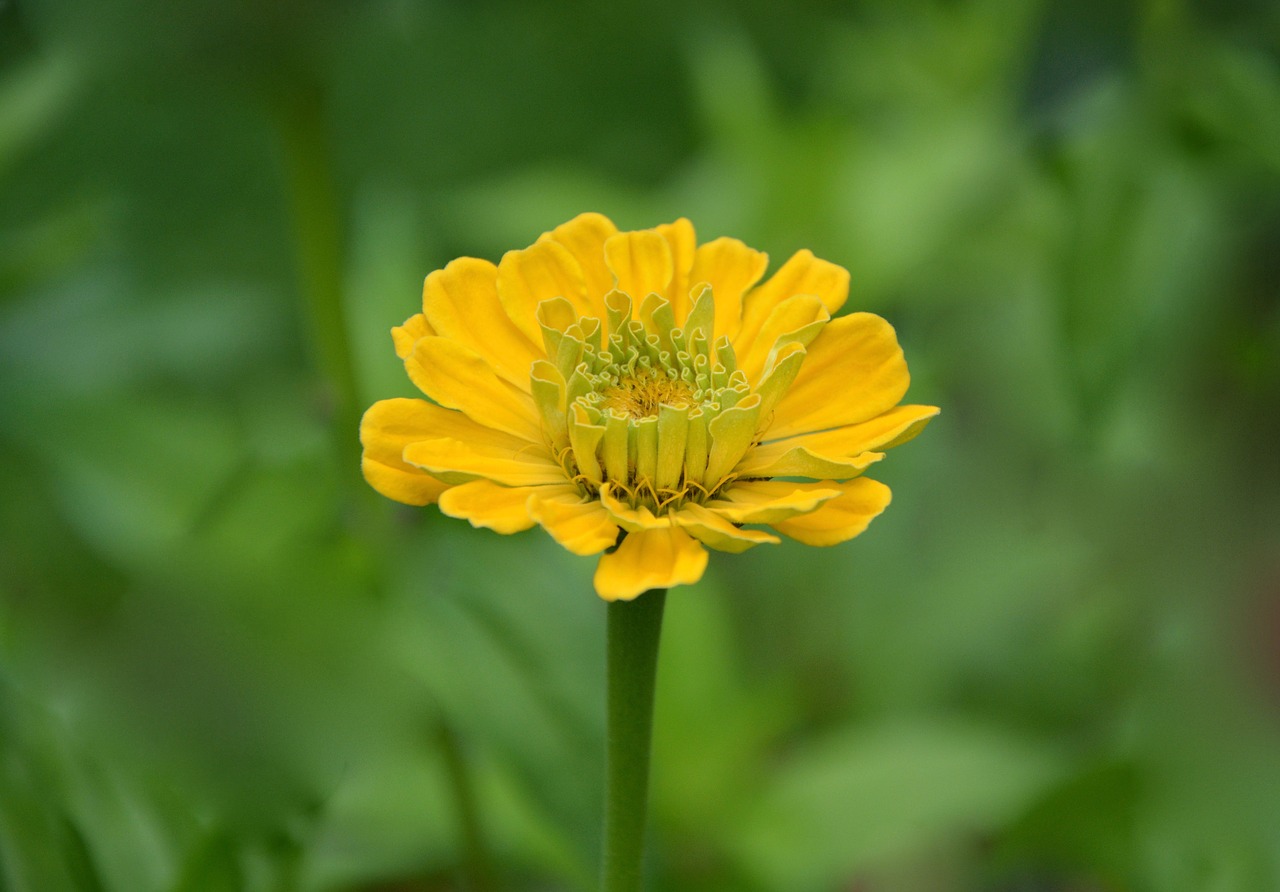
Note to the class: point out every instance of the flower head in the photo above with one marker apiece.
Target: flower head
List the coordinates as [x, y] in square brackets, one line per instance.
[640, 396]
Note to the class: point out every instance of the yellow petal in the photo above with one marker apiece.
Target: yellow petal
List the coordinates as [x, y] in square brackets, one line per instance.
[682, 241]
[582, 526]
[540, 272]
[650, 559]
[801, 462]
[461, 303]
[796, 320]
[386, 429]
[769, 501]
[843, 517]
[405, 336]
[802, 274]
[457, 377]
[714, 531]
[641, 261]
[458, 461]
[630, 519]
[584, 237]
[412, 487]
[854, 371]
[779, 372]
[503, 509]
[415, 420]
[730, 268]
[893, 428]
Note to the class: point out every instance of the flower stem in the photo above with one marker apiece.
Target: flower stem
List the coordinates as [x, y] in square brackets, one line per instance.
[631, 667]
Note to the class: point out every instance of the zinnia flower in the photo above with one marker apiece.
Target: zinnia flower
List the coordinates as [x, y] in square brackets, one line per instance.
[641, 397]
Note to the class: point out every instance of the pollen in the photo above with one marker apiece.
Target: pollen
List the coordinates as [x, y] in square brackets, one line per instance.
[641, 395]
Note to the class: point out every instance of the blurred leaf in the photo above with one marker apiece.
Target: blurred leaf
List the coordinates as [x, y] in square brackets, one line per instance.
[41, 845]
[135, 478]
[860, 798]
[1233, 93]
[906, 191]
[79, 858]
[513, 658]
[47, 246]
[712, 724]
[514, 208]
[212, 866]
[31, 103]
[1087, 822]
[1136, 250]
[86, 337]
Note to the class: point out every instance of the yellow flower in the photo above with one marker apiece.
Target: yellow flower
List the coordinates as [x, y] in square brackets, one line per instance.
[640, 396]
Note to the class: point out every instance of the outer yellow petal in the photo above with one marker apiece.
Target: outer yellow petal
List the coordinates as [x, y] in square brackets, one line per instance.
[641, 261]
[456, 376]
[730, 267]
[540, 272]
[893, 428]
[584, 237]
[711, 529]
[797, 319]
[458, 461]
[801, 462]
[682, 241]
[411, 488]
[461, 303]
[843, 517]
[406, 336]
[386, 429]
[419, 420]
[769, 501]
[854, 371]
[486, 504]
[581, 526]
[802, 274]
[650, 559]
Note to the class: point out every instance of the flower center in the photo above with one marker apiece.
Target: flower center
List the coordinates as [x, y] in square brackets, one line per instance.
[652, 413]
[640, 396]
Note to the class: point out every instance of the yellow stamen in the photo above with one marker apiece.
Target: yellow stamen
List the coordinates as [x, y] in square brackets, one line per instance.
[640, 396]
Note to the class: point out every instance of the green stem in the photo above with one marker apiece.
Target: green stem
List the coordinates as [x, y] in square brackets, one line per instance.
[631, 667]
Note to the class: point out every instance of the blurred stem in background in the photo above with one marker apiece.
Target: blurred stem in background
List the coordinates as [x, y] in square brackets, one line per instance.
[476, 870]
[634, 629]
[300, 118]
[320, 245]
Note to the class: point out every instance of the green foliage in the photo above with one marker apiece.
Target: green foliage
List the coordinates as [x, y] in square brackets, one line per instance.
[226, 664]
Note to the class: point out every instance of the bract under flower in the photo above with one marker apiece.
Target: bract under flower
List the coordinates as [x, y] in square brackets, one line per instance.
[642, 397]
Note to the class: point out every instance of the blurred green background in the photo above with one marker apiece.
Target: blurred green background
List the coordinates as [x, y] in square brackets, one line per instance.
[1052, 666]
